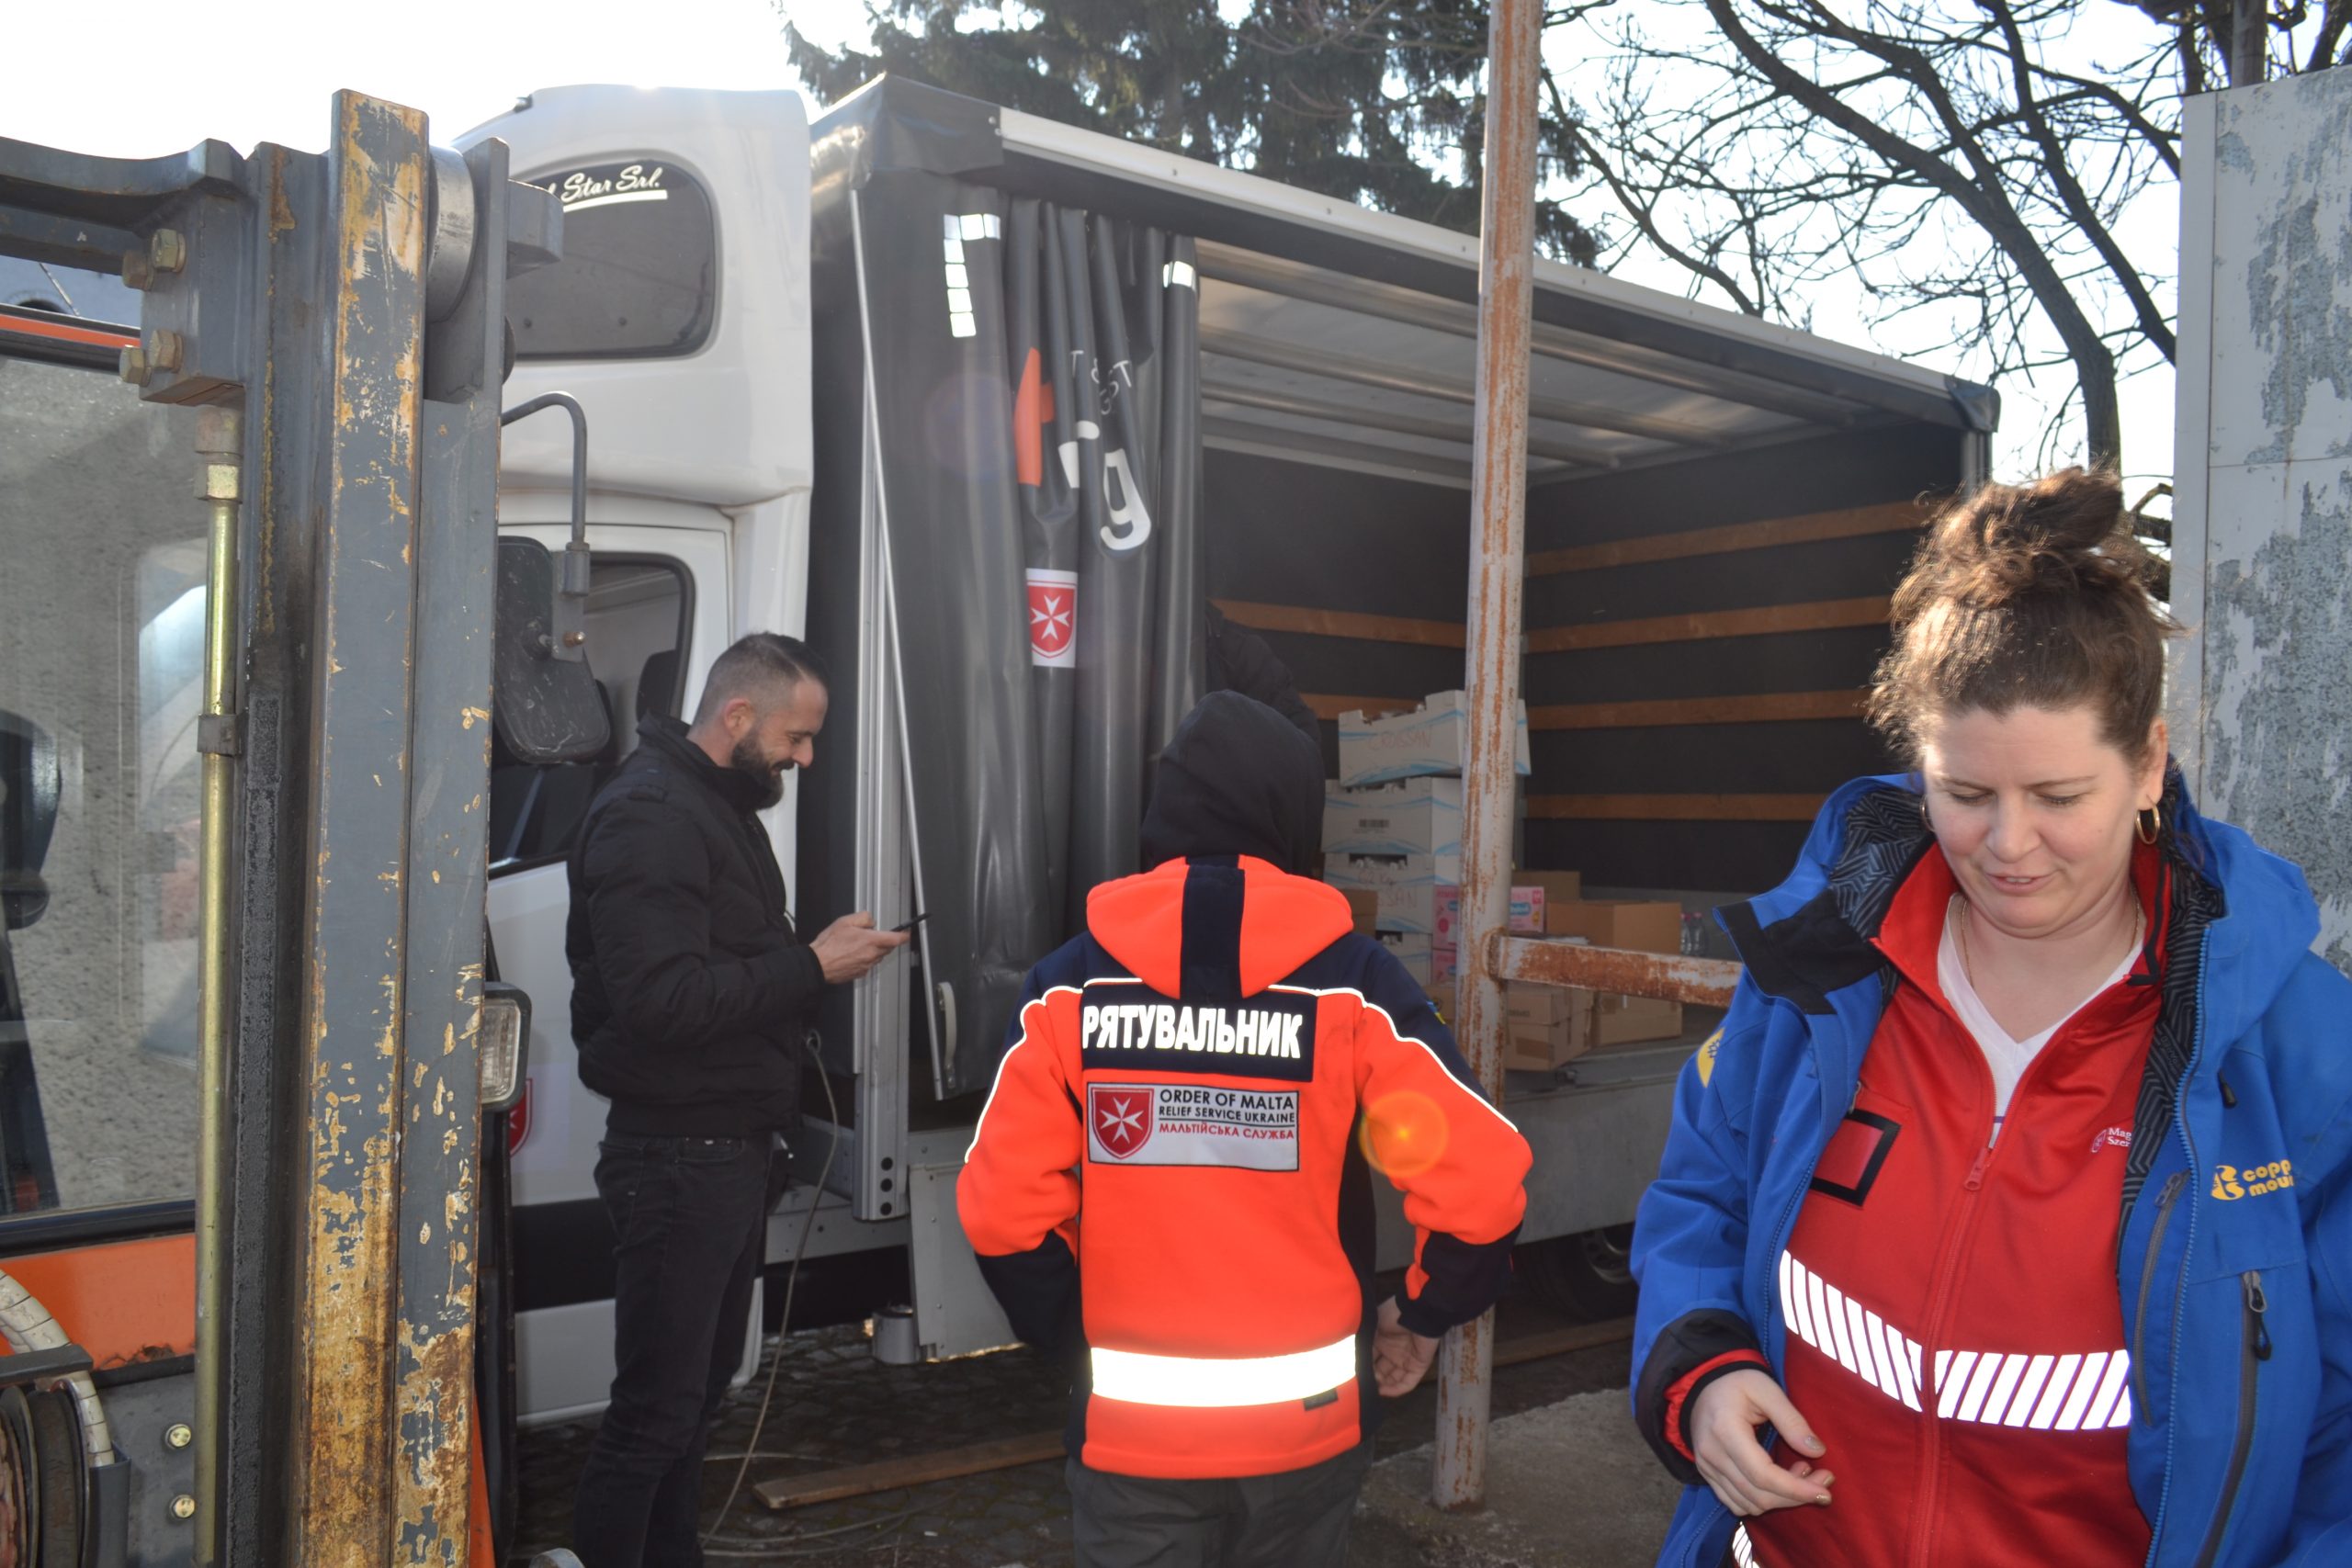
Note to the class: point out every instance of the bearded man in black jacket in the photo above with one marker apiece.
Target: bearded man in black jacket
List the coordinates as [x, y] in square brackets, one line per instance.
[691, 1001]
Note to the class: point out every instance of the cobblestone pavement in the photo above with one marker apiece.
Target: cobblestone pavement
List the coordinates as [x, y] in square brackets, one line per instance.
[834, 1405]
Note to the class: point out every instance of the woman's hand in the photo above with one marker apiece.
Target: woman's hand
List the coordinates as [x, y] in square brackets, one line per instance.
[1732, 1463]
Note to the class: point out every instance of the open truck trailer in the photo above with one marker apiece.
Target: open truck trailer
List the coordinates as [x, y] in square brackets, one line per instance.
[912, 380]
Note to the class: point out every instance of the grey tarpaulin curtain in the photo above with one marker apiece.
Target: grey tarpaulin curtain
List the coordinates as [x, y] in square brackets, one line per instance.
[1103, 321]
[1037, 405]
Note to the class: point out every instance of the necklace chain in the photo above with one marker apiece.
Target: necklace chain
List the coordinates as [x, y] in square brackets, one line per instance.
[1960, 931]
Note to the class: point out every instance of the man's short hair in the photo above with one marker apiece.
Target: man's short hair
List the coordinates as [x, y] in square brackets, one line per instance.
[761, 668]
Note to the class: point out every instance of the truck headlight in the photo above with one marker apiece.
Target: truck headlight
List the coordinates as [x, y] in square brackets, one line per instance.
[505, 1043]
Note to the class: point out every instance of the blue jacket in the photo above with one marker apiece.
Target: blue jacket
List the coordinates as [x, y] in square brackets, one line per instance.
[2236, 1291]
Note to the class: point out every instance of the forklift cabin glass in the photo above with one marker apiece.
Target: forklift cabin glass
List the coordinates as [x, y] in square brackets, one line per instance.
[101, 644]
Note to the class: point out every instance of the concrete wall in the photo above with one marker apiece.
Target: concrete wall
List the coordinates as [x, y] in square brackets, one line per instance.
[2262, 689]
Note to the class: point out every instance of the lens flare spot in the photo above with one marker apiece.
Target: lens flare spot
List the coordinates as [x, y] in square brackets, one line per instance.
[1404, 1134]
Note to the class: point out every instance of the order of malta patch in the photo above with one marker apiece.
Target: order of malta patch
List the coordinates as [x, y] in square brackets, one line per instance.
[1176, 1123]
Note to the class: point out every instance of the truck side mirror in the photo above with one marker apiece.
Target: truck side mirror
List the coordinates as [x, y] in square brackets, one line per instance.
[30, 783]
[546, 709]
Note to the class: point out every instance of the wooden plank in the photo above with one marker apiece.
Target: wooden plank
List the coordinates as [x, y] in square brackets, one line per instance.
[1818, 615]
[1763, 707]
[1853, 522]
[1560, 1341]
[1676, 807]
[1342, 623]
[1331, 707]
[914, 1470]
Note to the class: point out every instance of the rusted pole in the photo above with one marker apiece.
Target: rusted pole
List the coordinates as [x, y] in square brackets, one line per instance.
[1708, 982]
[1498, 559]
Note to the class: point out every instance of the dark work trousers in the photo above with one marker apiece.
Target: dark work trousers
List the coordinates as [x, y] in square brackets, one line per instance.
[1296, 1519]
[691, 1219]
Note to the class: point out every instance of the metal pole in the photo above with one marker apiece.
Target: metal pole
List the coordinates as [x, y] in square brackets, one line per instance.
[1498, 563]
[220, 444]
[2249, 42]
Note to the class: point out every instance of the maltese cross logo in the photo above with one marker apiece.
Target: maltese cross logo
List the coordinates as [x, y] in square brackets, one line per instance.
[1053, 618]
[1121, 1119]
[1050, 621]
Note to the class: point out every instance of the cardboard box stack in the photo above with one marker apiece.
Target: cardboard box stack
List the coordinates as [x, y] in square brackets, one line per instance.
[1428, 742]
[1392, 841]
[1551, 1026]
[1392, 827]
[1645, 927]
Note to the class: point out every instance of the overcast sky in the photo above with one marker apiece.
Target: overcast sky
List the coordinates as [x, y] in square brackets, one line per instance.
[252, 71]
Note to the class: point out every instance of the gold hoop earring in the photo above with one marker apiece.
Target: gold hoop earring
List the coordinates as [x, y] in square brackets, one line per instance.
[2148, 824]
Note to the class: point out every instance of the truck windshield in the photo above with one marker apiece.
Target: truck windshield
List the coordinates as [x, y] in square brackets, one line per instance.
[639, 273]
[101, 645]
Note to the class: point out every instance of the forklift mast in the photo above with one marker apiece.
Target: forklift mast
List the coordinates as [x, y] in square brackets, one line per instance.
[338, 321]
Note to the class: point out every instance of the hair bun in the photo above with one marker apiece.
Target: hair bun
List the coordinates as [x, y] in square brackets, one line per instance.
[2064, 533]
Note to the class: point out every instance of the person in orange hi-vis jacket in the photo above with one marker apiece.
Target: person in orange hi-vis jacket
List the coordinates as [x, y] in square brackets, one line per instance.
[1201, 1085]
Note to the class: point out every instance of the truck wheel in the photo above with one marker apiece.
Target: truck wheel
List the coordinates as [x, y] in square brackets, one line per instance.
[1586, 1276]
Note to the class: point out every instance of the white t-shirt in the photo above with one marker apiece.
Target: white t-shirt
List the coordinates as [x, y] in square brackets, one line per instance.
[2007, 1057]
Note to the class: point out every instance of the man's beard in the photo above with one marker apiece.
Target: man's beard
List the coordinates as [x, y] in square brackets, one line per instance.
[748, 757]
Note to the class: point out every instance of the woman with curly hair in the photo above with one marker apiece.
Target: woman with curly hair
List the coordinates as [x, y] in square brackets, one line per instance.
[2006, 1220]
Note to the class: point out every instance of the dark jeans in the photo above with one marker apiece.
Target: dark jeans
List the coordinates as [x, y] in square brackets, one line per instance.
[1296, 1519]
[691, 1219]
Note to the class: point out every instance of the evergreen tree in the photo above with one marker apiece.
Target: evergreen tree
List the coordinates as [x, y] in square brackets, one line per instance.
[1374, 101]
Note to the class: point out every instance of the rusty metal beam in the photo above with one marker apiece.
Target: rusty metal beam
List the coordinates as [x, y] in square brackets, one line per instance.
[1498, 574]
[457, 541]
[1669, 977]
[355, 1021]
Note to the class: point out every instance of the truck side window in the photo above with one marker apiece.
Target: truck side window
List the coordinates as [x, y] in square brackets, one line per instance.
[639, 273]
[637, 610]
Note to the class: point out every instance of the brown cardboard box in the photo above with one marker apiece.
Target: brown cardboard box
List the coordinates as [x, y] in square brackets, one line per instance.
[1559, 887]
[1548, 1027]
[1543, 1027]
[1363, 908]
[1617, 923]
[1645, 927]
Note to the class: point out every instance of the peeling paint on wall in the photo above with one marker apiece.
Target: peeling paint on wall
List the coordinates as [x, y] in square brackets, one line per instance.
[2263, 558]
[2278, 654]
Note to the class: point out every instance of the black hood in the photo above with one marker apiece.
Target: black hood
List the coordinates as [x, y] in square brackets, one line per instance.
[1239, 779]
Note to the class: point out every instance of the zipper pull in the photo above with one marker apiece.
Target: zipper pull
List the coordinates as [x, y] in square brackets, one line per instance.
[2257, 1303]
[1976, 1169]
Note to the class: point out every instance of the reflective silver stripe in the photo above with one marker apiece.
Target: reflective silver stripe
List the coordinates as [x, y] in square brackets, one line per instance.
[1219, 1382]
[2082, 1392]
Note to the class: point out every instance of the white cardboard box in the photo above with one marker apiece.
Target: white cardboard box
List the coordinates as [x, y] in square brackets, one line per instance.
[1412, 950]
[1404, 817]
[1431, 739]
[1406, 886]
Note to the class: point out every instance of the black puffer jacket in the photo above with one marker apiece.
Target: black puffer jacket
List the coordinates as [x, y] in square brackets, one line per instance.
[689, 990]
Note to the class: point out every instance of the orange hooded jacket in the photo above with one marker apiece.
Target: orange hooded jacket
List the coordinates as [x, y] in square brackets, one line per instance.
[1200, 1086]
